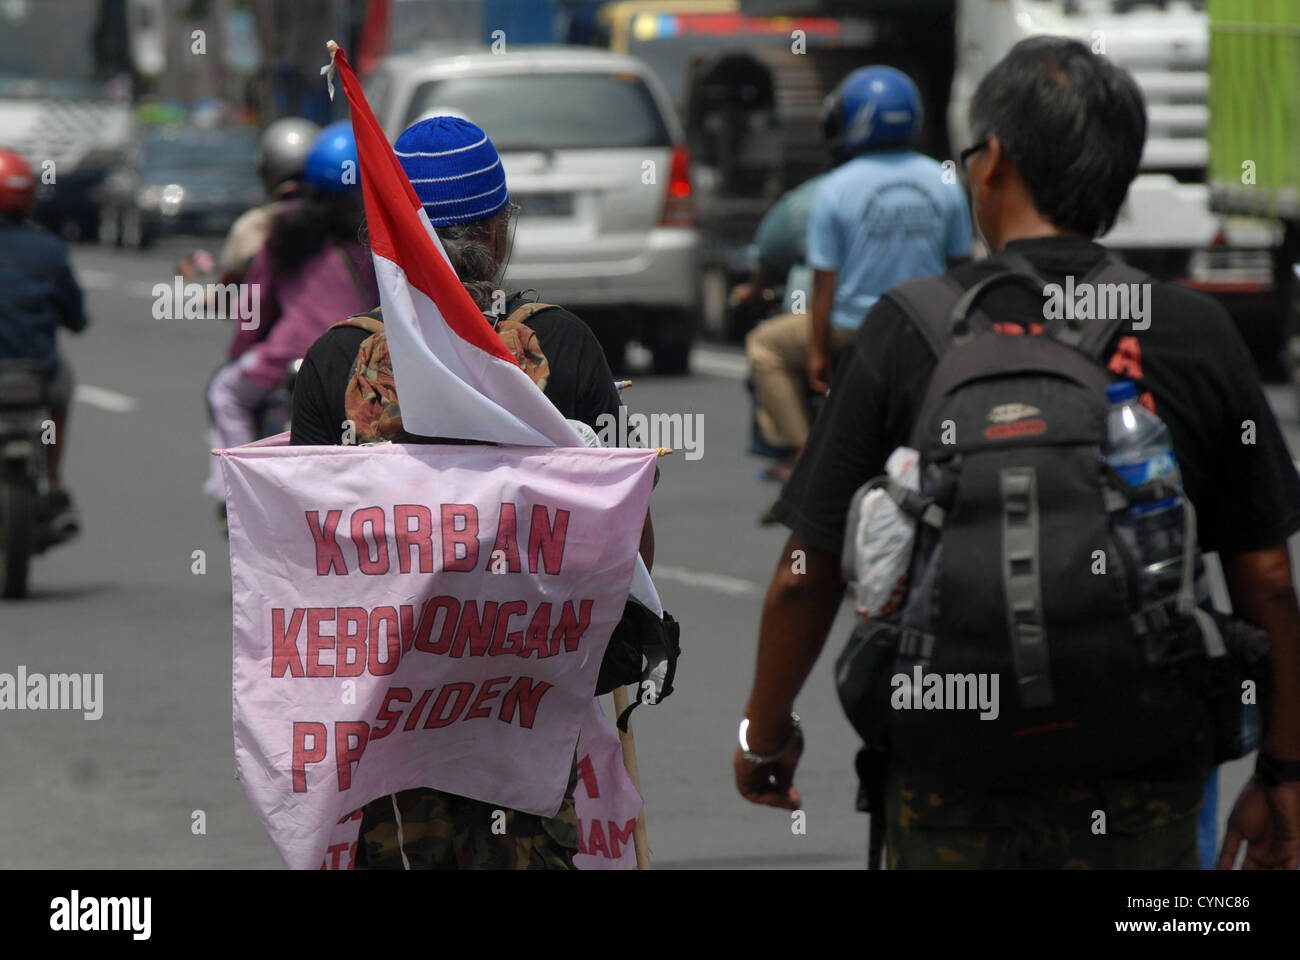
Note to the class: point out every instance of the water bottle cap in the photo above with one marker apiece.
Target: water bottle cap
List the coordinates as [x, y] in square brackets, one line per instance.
[1121, 391]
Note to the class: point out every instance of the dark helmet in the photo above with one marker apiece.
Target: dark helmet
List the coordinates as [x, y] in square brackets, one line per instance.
[17, 184]
[872, 107]
[332, 162]
[282, 151]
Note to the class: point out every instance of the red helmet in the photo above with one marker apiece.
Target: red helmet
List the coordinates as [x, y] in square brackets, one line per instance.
[17, 185]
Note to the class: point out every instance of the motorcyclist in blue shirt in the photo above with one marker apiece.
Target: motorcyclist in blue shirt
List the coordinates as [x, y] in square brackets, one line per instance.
[885, 214]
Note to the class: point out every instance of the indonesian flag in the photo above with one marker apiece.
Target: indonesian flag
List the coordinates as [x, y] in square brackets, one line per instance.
[454, 376]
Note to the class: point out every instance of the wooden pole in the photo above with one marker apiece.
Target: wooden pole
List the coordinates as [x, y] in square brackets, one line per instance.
[629, 762]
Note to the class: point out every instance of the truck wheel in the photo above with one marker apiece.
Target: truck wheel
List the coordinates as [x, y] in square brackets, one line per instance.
[15, 536]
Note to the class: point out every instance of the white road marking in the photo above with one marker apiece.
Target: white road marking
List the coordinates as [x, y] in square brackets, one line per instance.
[717, 582]
[109, 400]
[96, 279]
[141, 288]
[733, 366]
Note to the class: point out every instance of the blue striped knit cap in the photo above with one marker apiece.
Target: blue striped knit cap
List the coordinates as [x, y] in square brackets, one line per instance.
[454, 168]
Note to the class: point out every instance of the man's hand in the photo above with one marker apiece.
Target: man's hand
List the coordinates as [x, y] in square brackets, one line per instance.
[819, 368]
[797, 613]
[772, 783]
[1268, 819]
[819, 349]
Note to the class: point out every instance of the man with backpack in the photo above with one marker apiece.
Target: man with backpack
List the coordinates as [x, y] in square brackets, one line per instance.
[1096, 751]
[347, 377]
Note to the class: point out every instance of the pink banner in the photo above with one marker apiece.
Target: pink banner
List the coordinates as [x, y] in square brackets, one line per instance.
[606, 799]
[411, 615]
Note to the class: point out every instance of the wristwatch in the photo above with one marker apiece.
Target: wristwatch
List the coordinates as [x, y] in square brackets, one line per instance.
[1272, 772]
[758, 759]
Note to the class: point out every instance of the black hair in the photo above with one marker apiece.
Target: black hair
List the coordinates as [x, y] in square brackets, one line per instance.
[303, 227]
[1072, 122]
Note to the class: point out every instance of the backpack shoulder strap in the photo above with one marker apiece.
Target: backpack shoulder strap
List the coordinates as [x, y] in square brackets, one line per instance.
[928, 303]
[523, 343]
[371, 322]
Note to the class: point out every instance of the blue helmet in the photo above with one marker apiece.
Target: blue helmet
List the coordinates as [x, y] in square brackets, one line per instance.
[331, 164]
[872, 107]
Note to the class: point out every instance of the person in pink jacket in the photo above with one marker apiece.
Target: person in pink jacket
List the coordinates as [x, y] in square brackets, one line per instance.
[312, 271]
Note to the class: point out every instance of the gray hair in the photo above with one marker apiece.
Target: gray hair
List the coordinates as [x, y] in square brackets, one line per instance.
[470, 256]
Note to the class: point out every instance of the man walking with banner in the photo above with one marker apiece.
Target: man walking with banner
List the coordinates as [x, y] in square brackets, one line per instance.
[432, 613]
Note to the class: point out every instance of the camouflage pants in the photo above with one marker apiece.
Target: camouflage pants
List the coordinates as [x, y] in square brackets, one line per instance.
[1119, 825]
[442, 831]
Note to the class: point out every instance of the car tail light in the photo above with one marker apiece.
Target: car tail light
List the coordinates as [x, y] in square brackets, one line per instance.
[678, 211]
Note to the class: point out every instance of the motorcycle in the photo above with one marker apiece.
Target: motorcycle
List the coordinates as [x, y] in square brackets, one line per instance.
[28, 525]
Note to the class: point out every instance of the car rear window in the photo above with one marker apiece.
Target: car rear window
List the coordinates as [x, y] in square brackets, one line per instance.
[549, 111]
[169, 149]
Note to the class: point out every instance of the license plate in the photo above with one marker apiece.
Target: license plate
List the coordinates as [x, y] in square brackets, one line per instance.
[545, 204]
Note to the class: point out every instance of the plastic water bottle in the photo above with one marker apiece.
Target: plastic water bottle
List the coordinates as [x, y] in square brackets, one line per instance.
[1139, 450]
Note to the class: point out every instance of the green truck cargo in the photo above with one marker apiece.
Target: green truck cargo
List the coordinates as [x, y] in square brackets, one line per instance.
[1254, 137]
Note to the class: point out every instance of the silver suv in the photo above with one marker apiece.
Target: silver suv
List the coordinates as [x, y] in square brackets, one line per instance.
[596, 158]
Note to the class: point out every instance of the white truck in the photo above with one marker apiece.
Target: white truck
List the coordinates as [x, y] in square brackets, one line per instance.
[64, 104]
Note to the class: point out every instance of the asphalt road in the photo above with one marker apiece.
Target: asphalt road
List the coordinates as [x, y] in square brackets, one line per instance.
[123, 790]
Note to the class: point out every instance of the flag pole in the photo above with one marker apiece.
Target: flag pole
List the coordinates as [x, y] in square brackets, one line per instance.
[629, 763]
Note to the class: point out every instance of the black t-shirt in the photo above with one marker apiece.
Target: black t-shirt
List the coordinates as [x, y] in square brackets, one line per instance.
[580, 384]
[1190, 358]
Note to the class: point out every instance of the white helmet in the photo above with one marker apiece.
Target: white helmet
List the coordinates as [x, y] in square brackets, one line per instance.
[283, 149]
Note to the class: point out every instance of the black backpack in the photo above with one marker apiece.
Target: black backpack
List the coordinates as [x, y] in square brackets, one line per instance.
[1025, 569]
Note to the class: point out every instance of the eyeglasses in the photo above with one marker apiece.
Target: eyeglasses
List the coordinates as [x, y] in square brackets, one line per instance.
[969, 152]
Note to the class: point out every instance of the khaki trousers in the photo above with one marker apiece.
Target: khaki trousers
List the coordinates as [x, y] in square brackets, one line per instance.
[778, 354]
